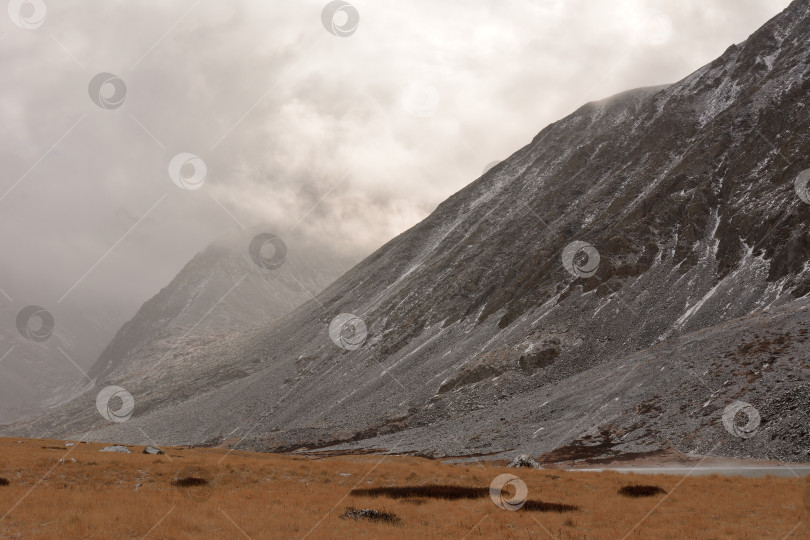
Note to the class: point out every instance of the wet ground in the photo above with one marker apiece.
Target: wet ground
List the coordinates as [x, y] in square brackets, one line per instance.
[785, 471]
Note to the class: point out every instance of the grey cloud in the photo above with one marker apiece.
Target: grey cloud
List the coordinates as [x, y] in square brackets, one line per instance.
[298, 109]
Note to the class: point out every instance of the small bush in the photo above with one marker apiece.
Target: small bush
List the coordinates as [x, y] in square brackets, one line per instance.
[452, 493]
[190, 481]
[375, 516]
[540, 506]
[641, 491]
[4, 482]
[429, 491]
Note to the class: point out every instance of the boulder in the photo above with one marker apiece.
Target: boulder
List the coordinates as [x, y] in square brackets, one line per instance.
[524, 460]
[116, 448]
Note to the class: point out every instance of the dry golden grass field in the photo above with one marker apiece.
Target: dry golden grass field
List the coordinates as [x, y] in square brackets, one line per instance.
[91, 494]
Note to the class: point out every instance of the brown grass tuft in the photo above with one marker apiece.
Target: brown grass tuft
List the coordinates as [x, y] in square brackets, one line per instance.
[4, 481]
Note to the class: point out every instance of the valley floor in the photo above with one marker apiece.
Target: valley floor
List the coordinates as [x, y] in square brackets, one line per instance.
[59, 491]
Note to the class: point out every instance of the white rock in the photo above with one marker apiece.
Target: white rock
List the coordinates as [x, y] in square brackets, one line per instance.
[116, 448]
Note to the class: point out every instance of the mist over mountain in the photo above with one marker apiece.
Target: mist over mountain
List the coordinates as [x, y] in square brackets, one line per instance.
[40, 374]
[222, 290]
[229, 287]
[612, 287]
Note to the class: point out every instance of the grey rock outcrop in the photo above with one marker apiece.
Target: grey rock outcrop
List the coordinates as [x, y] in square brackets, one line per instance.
[524, 461]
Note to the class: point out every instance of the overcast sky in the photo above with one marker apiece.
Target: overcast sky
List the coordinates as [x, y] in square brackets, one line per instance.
[350, 139]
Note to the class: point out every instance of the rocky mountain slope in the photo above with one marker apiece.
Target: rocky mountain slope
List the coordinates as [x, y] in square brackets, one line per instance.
[221, 291]
[238, 283]
[615, 284]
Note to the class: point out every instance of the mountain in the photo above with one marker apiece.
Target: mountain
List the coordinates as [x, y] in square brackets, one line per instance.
[221, 291]
[237, 284]
[612, 287]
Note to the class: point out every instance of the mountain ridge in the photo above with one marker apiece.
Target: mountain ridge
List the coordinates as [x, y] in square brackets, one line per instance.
[688, 205]
[208, 295]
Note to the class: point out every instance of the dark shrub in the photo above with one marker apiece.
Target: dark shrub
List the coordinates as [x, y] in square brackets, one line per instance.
[641, 491]
[375, 516]
[430, 491]
[447, 492]
[540, 506]
[190, 481]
